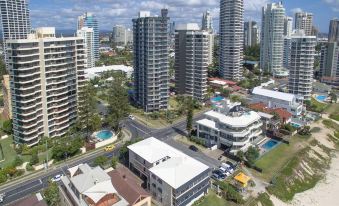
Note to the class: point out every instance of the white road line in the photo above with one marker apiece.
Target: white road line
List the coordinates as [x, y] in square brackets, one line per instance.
[12, 194]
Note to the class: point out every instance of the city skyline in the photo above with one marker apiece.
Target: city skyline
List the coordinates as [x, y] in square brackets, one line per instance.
[63, 13]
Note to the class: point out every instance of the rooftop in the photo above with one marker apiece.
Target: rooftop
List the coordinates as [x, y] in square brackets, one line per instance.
[241, 120]
[95, 71]
[176, 170]
[273, 94]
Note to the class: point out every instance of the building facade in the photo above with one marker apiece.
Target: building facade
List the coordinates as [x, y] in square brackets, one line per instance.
[333, 33]
[88, 35]
[329, 63]
[288, 25]
[230, 127]
[287, 52]
[173, 178]
[90, 20]
[191, 61]
[301, 64]
[207, 22]
[121, 36]
[231, 38]
[151, 61]
[274, 99]
[272, 37]
[46, 77]
[6, 94]
[251, 34]
[304, 21]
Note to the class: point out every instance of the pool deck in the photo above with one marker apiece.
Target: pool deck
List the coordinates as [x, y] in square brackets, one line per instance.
[97, 139]
[263, 150]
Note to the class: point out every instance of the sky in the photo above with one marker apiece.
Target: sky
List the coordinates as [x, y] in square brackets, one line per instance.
[62, 14]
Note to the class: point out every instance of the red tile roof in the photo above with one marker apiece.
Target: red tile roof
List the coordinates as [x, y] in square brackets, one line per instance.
[127, 185]
[281, 112]
[31, 200]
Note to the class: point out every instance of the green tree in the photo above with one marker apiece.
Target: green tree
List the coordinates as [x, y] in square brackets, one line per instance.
[17, 161]
[241, 155]
[333, 97]
[252, 154]
[189, 117]
[119, 107]
[87, 108]
[252, 53]
[114, 162]
[101, 161]
[51, 194]
[34, 159]
[7, 127]
[95, 122]
[3, 69]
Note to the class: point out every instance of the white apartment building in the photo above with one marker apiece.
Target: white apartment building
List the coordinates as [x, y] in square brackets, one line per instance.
[173, 178]
[274, 99]
[191, 60]
[88, 35]
[231, 40]
[251, 33]
[230, 126]
[301, 64]
[272, 37]
[288, 25]
[46, 76]
[122, 36]
[304, 21]
[207, 22]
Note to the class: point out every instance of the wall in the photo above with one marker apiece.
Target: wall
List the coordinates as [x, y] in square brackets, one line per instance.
[106, 142]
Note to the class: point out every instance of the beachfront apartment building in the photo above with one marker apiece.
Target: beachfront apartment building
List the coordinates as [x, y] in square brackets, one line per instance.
[173, 178]
[46, 77]
[230, 127]
[274, 99]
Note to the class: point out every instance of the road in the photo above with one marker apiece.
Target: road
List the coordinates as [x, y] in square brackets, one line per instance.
[35, 184]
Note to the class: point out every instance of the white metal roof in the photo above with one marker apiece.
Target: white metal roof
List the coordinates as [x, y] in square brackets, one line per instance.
[273, 94]
[95, 71]
[243, 120]
[207, 123]
[175, 171]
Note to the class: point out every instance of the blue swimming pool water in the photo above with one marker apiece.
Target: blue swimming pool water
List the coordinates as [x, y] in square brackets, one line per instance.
[295, 125]
[321, 98]
[217, 99]
[270, 144]
[104, 134]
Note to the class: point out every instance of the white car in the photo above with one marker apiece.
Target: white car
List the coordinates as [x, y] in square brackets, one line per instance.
[56, 178]
[131, 117]
[2, 196]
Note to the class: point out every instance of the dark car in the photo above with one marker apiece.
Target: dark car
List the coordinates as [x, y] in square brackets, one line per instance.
[217, 174]
[193, 148]
[231, 164]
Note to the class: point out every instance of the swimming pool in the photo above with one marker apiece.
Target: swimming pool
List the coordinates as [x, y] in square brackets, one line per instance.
[269, 144]
[295, 125]
[104, 134]
[217, 99]
[321, 98]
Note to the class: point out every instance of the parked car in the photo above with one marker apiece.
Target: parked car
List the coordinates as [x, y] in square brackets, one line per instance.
[2, 196]
[231, 164]
[131, 117]
[109, 148]
[224, 171]
[216, 174]
[227, 167]
[56, 178]
[193, 148]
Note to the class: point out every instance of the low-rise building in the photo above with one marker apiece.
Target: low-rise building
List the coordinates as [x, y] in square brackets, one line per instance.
[86, 186]
[90, 73]
[274, 99]
[229, 126]
[173, 178]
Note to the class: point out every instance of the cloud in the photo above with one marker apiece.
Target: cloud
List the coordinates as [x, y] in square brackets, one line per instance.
[112, 12]
[296, 10]
[333, 3]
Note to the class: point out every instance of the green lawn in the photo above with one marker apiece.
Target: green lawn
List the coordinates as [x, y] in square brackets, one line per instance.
[212, 200]
[318, 106]
[274, 160]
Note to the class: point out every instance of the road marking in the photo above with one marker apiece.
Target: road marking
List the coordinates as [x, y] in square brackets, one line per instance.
[12, 194]
[40, 181]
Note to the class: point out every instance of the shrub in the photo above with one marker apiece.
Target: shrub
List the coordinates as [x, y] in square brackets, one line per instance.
[114, 162]
[17, 161]
[34, 159]
[101, 161]
[3, 176]
[252, 154]
[29, 167]
[305, 131]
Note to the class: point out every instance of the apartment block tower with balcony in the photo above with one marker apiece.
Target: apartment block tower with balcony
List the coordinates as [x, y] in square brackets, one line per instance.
[272, 37]
[88, 35]
[46, 77]
[90, 20]
[301, 64]
[251, 33]
[231, 127]
[304, 21]
[231, 38]
[191, 60]
[151, 61]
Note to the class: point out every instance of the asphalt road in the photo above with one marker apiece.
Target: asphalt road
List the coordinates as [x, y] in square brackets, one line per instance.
[36, 184]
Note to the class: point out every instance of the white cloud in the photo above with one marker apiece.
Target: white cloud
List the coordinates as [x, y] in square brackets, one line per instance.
[333, 3]
[295, 10]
